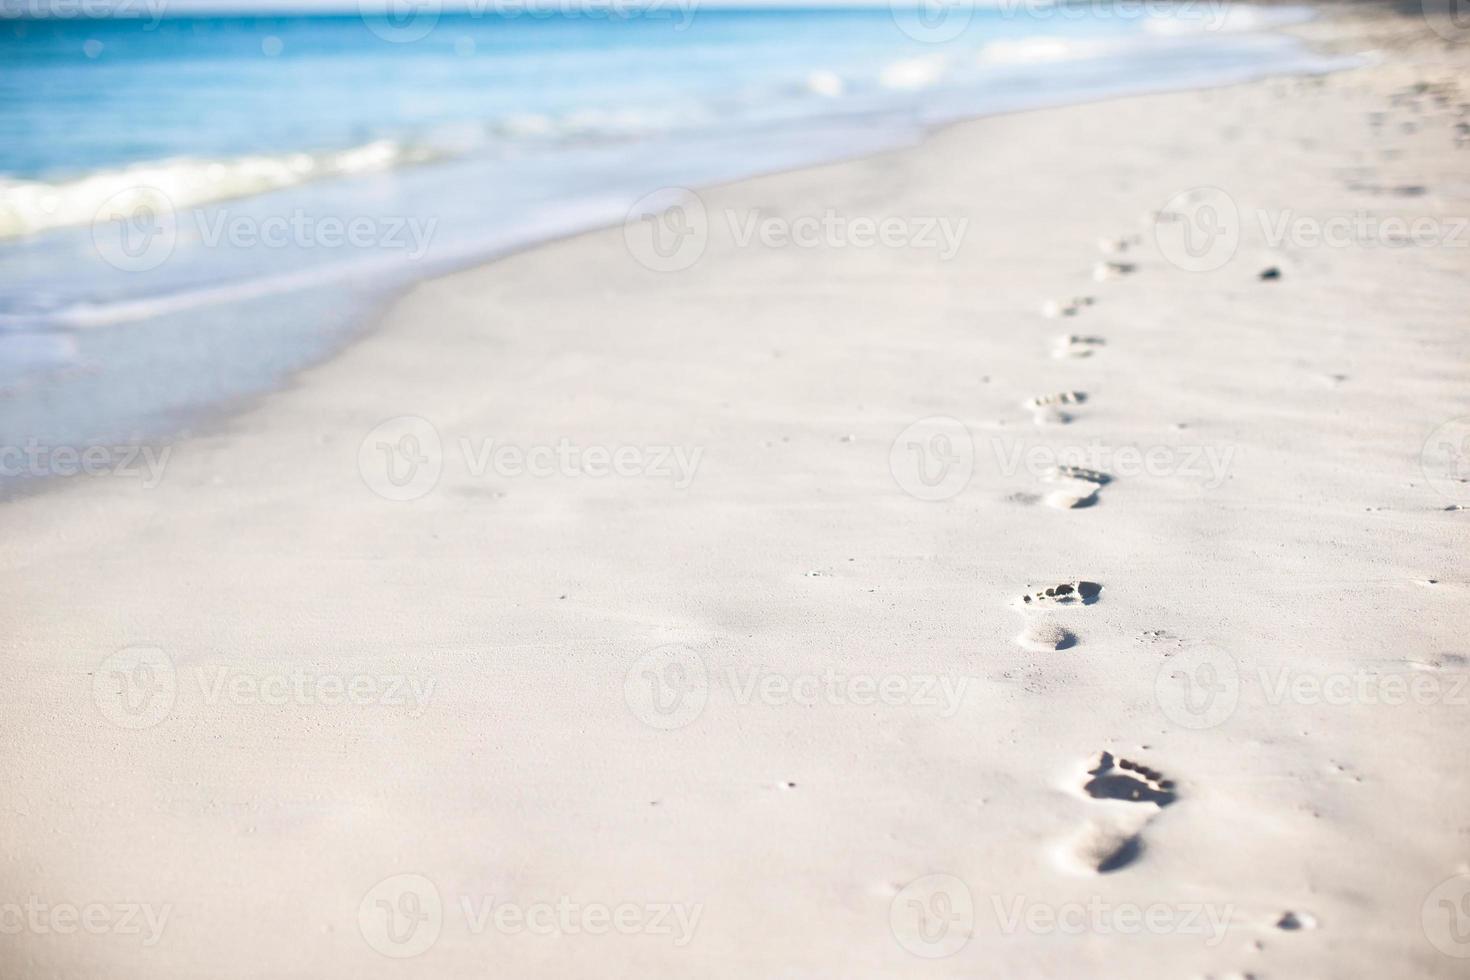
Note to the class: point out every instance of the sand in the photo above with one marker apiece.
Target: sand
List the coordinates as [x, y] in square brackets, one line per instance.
[767, 697]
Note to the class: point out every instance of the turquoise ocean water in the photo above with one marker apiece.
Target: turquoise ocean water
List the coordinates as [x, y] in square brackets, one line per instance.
[192, 208]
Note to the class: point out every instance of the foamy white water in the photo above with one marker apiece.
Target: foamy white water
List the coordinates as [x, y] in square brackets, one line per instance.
[188, 190]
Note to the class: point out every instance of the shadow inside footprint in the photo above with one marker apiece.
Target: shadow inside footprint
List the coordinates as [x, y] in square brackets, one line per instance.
[1125, 780]
[1065, 594]
[1046, 636]
[1067, 472]
[1101, 848]
[1077, 487]
[1125, 855]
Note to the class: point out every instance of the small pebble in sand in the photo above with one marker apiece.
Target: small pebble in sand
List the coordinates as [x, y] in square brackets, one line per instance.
[1270, 273]
[1292, 921]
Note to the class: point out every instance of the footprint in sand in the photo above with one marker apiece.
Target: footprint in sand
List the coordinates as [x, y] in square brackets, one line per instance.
[1042, 636]
[1078, 487]
[1054, 308]
[1119, 245]
[1104, 271]
[1041, 633]
[1080, 592]
[1130, 795]
[1047, 409]
[1073, 487]
[1075, 345]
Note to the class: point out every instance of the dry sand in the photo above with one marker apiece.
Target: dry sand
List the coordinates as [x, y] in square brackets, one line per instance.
[729, 724]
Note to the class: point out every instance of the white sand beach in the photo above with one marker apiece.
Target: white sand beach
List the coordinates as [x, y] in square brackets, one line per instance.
[743, 683]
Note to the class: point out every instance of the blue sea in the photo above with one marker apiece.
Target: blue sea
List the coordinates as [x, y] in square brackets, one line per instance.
[192, 208]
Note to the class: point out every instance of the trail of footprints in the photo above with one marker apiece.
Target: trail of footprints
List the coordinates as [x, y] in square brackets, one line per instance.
[1125, 795]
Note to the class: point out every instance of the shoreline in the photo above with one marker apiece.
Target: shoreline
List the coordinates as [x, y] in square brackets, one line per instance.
[270, 294]
[802, 662]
